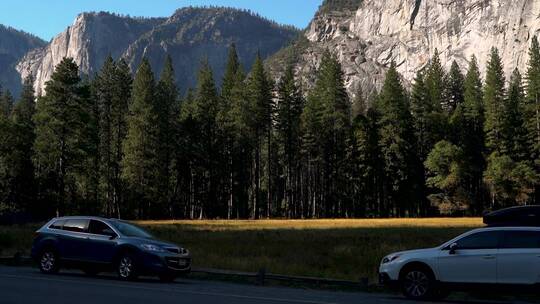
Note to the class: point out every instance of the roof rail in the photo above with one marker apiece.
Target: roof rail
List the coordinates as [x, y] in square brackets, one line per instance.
[514, 216]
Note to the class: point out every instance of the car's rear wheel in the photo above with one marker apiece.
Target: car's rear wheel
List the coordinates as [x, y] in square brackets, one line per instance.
[418, 284]
[126, 267]
[49, 261]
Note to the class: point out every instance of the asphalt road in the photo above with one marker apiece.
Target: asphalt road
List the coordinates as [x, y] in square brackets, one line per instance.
[28, 285]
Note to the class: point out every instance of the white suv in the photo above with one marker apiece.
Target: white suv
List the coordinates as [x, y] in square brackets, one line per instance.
[493, 255]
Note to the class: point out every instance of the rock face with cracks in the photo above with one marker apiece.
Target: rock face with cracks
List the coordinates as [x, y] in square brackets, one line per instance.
[369, 35]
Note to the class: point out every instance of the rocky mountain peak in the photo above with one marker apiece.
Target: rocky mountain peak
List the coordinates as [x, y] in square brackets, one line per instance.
[189, 35]
[14, 44]
[89, 40]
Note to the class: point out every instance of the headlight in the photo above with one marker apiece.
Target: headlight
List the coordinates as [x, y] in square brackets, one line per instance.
[150, 247]
[390, 259]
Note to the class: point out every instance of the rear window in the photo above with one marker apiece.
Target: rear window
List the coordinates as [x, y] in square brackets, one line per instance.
[480, 240]
[78, 225]
[521, 239]
[57, 224]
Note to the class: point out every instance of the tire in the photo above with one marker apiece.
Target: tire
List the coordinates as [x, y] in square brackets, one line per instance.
[417, 283]
[126, 267]
[49, 261]
[167, 278]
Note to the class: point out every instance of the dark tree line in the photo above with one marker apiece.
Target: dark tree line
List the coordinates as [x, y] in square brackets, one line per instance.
[131, 146]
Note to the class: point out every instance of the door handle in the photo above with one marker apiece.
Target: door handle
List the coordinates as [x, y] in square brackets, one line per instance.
[488, 257]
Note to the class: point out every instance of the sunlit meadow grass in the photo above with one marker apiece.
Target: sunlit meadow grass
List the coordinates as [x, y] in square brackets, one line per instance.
[342, 249]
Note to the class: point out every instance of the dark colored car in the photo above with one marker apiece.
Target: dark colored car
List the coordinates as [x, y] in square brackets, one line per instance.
[96, 244]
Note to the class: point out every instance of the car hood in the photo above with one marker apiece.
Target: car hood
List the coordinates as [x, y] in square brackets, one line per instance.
[139, 241]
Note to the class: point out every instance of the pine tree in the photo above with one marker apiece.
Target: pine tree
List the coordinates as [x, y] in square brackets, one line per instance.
[230, 120]
[364, 161]
[232, 70]
[120, 111]
[59, 146]
[468, 127]
[327, 132]
[435, 79]
[494, 96]
[140, 160]
[312, 154]
[454, 88]
[87, 173]
[532, 110]
[397, 142]
[288, 112]
[498, 159]
[509, 173]
[167, 114]
[514, 135]
[6, 103]
[427, 100]
[23, 187]
[188, 157]
[6, 151]
[103, 89]
[422, 112]
[205, 107]
[259, 93]
[112, 90]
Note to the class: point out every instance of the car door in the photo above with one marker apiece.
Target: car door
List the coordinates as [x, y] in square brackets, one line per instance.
[474, 259]
[74, 238]
[518, 260]
[101, 244]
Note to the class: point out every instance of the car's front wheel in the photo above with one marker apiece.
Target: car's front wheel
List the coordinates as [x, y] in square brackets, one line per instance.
[126, 267]
[49, 261]
[418, 284]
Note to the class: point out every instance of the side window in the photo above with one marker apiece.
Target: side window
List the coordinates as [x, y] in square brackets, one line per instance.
[57, 224]
[521, 239]
[480, 240]
[76, 225]
[98, 227]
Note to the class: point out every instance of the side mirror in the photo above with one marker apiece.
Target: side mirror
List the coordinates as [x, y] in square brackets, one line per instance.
[452, 248]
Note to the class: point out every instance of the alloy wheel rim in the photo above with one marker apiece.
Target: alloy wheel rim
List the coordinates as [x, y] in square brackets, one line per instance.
[47, 261]
[416, 283]
[125, 267]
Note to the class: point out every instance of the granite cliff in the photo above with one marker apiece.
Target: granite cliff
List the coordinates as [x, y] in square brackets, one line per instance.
[367, 35]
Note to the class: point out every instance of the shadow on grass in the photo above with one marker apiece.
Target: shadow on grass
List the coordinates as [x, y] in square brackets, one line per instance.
[341, 253]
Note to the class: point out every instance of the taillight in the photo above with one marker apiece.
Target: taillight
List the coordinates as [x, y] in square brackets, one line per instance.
[36, 234]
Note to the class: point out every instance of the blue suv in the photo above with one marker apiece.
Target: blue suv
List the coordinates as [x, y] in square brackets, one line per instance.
[96, 244]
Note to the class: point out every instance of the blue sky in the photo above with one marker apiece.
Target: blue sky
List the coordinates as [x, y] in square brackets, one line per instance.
[46, 18]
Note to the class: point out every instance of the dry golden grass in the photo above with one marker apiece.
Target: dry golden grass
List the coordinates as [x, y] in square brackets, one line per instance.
[239, 225]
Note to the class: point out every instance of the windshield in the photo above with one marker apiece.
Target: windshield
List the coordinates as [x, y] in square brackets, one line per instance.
[130, 230]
